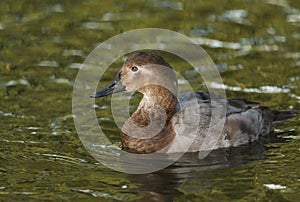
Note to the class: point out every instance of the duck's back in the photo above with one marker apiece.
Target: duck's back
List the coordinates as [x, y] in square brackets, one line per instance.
[221, 123]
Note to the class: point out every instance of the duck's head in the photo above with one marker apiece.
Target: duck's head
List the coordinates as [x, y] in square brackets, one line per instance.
[145, 72]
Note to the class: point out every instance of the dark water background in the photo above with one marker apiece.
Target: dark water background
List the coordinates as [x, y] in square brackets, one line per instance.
[255, 44]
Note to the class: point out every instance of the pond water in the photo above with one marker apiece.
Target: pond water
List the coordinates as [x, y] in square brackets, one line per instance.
[255, 45]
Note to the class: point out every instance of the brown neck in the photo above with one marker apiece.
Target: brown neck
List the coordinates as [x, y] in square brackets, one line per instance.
[149, 129]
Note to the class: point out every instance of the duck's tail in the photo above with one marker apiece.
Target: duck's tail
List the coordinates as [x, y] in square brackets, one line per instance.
[281, 115]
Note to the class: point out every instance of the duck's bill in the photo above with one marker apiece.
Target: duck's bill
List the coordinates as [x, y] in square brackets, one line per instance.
[114, 87]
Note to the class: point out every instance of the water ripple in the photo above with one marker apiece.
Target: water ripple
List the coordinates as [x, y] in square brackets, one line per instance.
[48, 63]
[236, 16]
[168, 4]
[22, 82]
[213, 43]
[262, 89]
[120, 16]
[98, 25]
[95, 193]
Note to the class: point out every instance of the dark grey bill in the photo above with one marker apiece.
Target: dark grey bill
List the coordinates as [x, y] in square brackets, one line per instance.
[114, 87]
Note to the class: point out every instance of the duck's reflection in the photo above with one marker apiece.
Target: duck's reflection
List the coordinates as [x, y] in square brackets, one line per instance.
[163, 185]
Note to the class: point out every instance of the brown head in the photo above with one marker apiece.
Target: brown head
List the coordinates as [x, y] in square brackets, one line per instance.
[145, 72]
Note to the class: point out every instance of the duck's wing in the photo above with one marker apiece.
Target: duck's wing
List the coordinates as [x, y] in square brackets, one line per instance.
[275, 116]
[246, 121]
[233, 105]
[243, 121]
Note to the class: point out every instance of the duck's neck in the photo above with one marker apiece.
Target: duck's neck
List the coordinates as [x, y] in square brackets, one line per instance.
[149, 129]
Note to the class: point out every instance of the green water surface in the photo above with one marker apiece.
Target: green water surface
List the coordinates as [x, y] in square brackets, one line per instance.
[255, 44]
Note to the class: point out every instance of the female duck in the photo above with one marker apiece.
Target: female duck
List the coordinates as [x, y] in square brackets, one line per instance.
[165, 122]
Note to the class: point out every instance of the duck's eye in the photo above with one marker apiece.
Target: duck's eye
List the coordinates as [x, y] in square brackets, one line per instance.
[134, 68]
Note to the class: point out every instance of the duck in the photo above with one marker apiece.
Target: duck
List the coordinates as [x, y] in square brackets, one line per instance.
[168, 122]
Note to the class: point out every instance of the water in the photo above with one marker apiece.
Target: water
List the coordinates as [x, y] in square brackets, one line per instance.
[254, 44]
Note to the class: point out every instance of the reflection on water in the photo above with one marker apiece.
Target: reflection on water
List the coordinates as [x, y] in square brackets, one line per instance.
[189, 175]
[255, 46]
